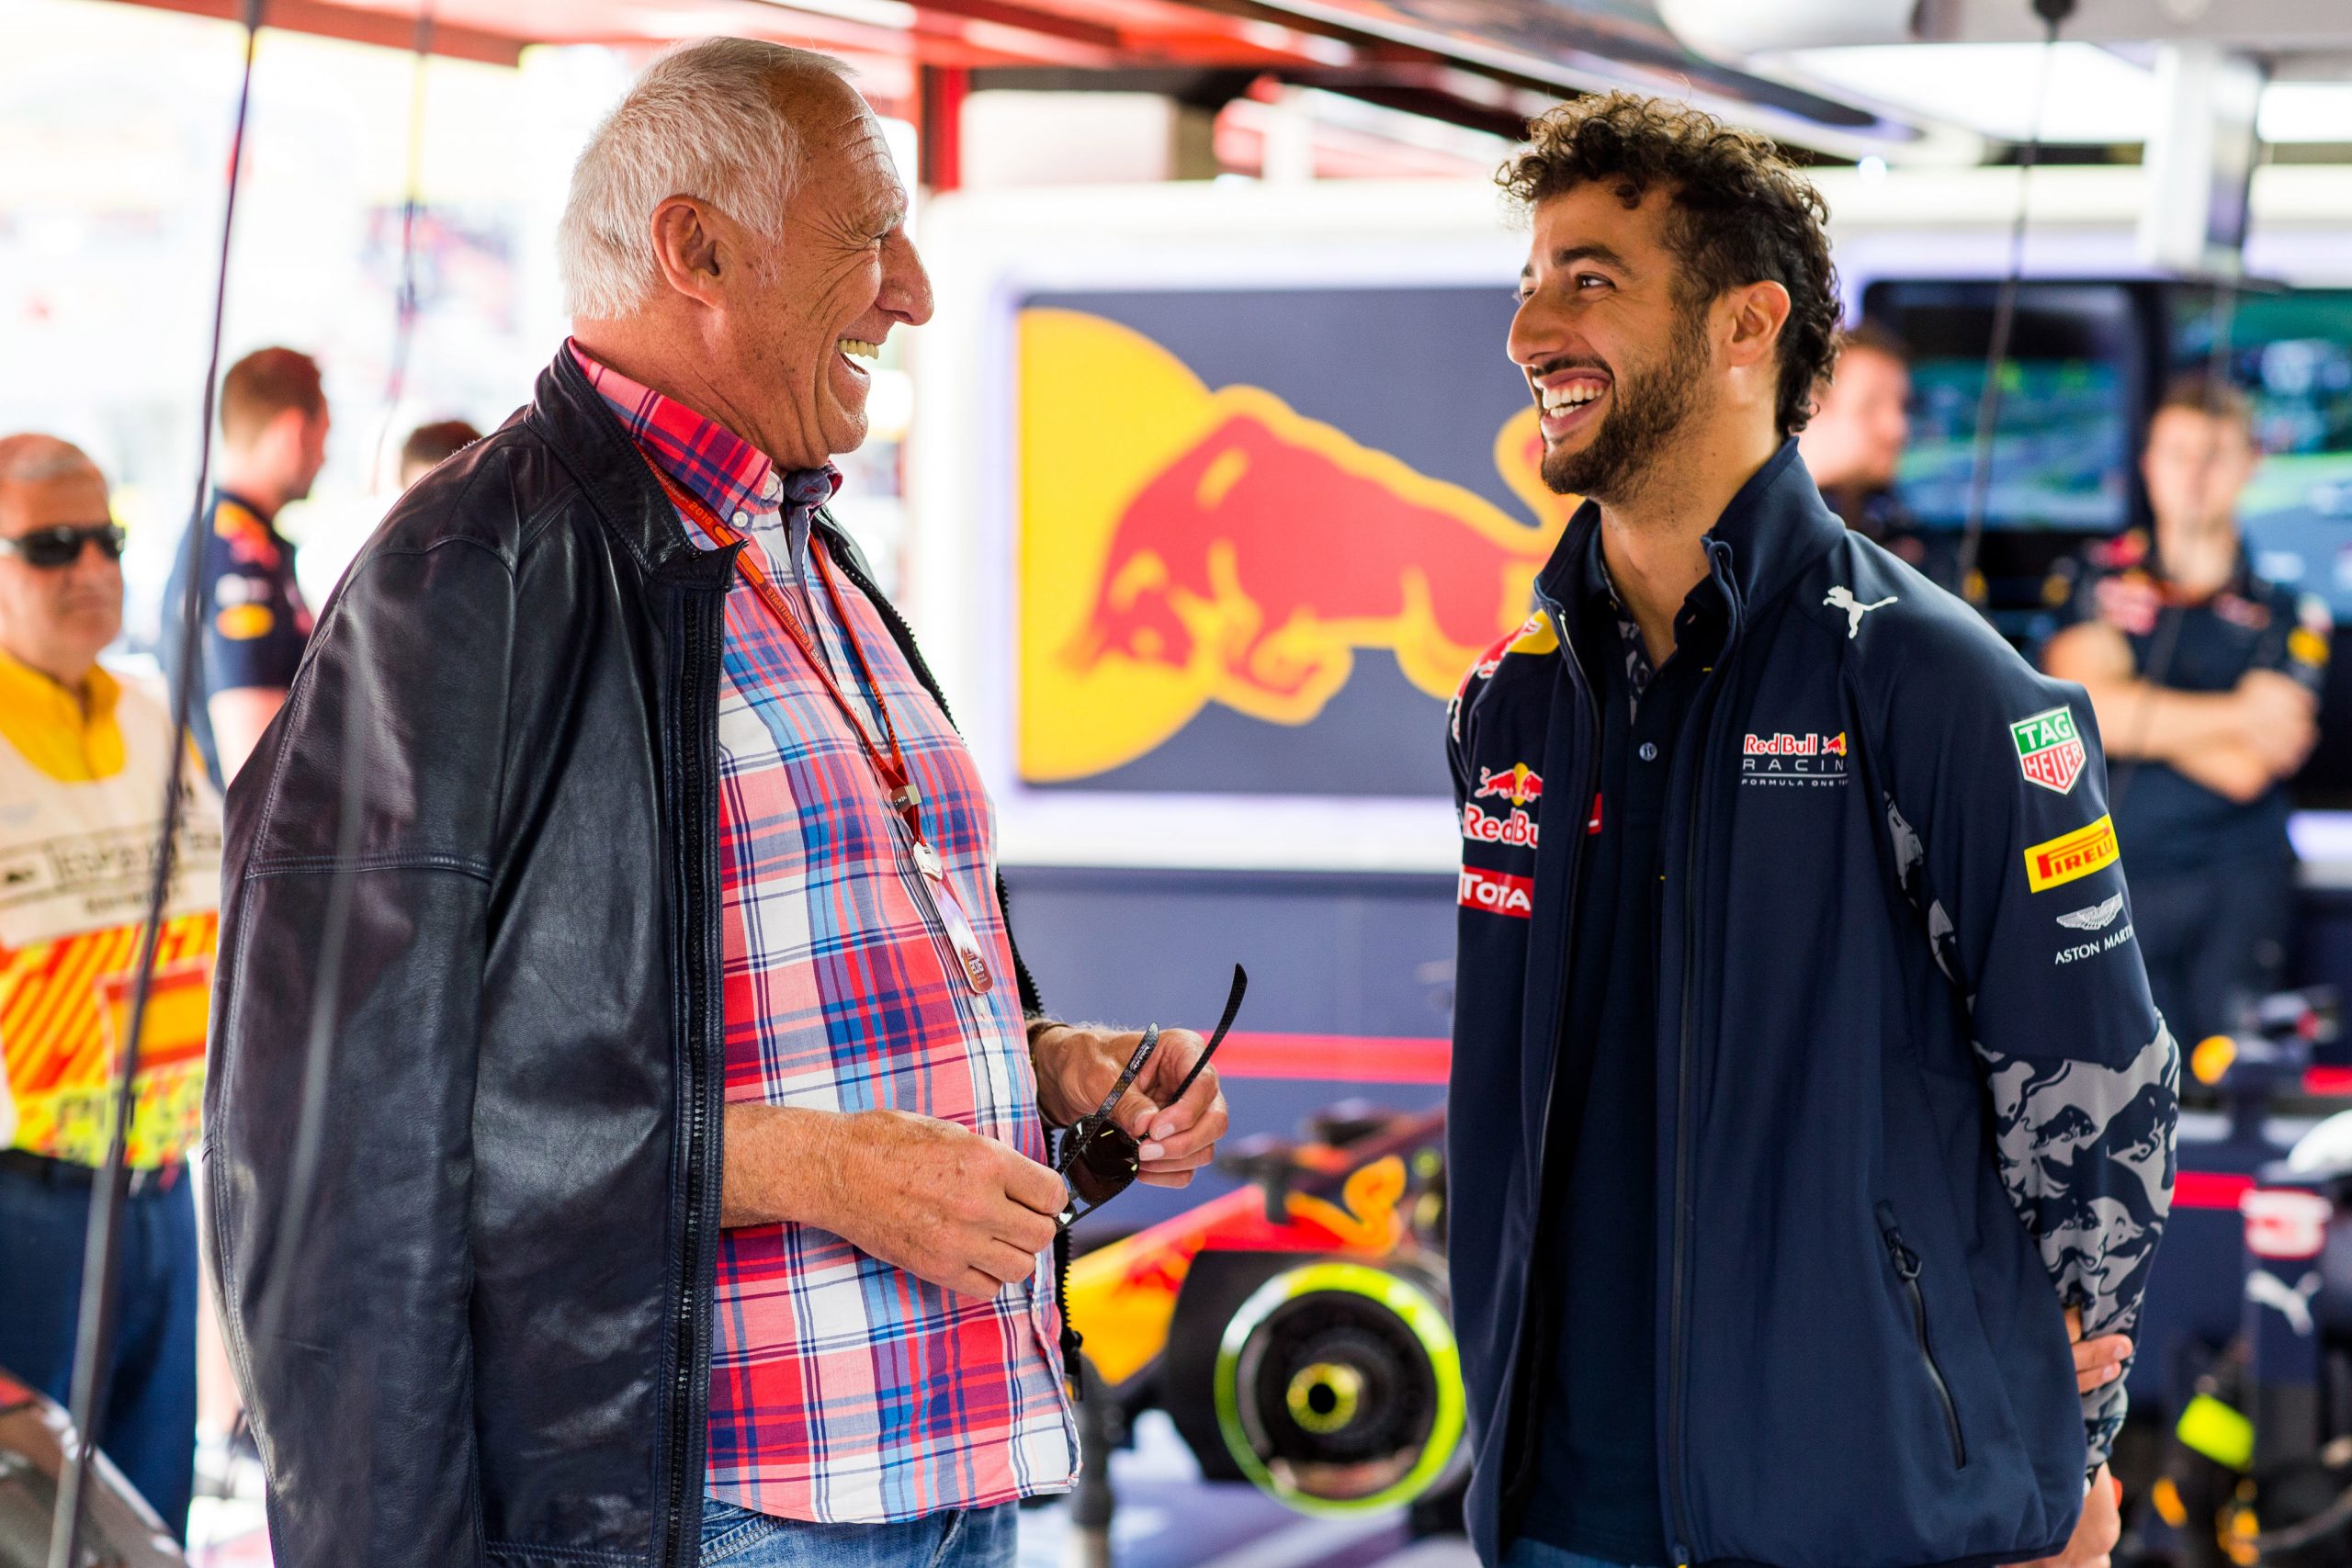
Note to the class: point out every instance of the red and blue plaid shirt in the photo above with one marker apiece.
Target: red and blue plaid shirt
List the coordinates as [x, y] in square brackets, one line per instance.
[843, 1388]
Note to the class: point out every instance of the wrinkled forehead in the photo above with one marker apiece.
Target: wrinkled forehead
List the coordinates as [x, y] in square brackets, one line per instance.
[845, 160]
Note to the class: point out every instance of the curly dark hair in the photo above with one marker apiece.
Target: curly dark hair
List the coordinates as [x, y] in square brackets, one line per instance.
[1740, 215]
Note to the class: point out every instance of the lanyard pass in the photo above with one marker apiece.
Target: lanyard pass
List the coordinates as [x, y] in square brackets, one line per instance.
[890, 768]
[947, 909]
[931, 874]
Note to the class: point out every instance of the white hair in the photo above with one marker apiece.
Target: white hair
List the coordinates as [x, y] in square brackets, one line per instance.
[704, 121]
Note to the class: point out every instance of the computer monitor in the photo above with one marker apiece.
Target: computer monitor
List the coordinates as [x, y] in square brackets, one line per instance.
[2073, 386]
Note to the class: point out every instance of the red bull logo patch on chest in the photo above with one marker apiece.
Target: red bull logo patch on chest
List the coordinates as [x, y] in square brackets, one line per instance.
[1518, 783]
[1781, 758]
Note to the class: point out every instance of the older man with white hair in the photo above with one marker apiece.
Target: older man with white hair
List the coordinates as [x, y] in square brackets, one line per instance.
[680, 1192]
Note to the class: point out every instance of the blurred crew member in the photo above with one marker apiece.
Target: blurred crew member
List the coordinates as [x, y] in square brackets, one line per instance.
[1854, 443]
[1750, 1235]
[273, 442]
[430, 445]
[2206, 680]
[82, 763]
[662, 833]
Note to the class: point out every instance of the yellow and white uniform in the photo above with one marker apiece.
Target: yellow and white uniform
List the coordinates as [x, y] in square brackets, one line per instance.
[82, 782]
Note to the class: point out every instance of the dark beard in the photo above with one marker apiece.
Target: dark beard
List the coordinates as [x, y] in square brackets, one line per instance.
[1650, 407]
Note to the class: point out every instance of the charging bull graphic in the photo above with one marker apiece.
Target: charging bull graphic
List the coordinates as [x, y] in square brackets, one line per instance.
[1242, 554]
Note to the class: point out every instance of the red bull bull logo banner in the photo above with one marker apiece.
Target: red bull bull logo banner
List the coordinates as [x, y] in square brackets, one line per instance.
[1237, 585]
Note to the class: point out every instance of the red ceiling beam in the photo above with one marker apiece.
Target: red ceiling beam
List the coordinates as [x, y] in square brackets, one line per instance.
[361, 24]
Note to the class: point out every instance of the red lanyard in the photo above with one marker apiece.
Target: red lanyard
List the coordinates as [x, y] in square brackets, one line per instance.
[891, 767]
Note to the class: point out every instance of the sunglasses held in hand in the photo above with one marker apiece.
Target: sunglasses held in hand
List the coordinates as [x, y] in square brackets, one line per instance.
[1100, 1159]
[50, 548]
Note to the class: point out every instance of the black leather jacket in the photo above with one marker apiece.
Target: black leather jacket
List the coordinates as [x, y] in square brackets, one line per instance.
[491, 1346]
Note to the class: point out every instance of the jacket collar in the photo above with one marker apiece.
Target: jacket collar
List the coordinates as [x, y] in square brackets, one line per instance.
[1775, 528]
[587, 437]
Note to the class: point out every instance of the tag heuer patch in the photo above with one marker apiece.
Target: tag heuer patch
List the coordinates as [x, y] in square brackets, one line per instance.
[2050, 750]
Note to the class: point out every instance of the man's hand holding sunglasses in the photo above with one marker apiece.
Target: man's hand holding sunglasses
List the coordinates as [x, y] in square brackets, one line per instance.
[1077, 1064]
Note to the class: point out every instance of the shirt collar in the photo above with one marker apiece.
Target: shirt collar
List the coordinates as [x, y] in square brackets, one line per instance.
[252, 509]
[70, 735]
[718, 467]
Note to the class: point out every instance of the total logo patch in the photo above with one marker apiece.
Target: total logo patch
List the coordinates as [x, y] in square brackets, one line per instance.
[1498, 894]
[1798, 760]
[2050, 748]
[2070, 857]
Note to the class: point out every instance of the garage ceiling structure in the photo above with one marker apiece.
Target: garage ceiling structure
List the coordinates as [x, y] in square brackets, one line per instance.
[1482, 64]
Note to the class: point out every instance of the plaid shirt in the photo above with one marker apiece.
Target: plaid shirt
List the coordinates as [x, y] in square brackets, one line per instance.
[843, 1388]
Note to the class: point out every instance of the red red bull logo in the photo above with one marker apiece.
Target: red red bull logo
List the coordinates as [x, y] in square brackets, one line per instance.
[1516, 831]
[1786, 745]
[1518, 783]
[1219, 547]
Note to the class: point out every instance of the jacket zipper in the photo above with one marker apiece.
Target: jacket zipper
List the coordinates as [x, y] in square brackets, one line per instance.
[692, 849]
[1677, 1310]
[1552, 1071]
[1907, 1268]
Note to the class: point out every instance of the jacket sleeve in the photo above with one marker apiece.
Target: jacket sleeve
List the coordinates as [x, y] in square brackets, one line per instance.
[347, 1297]
[1997, 808]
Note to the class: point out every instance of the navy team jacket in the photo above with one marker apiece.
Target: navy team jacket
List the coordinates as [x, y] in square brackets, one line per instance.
[1913, 1096]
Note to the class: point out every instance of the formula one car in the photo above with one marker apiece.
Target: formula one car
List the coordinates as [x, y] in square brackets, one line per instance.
[119, 1529]
[2239, 1451]
[1295, 1331]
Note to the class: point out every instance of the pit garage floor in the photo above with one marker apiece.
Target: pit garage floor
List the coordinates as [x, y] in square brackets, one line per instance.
[1167, 1517]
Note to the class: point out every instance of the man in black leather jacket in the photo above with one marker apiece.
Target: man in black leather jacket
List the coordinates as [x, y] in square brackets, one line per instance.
[490, 1080]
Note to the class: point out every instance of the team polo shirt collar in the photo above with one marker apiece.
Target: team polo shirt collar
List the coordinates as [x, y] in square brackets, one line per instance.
[72, 737]
[1697, 626]
[738, 481]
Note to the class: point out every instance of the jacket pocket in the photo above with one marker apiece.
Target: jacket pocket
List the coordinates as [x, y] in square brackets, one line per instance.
[1906, 1271]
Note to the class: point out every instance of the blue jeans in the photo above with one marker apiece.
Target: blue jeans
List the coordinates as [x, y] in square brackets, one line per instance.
[967, 1537]
[147, 1421]
[1529, 1553]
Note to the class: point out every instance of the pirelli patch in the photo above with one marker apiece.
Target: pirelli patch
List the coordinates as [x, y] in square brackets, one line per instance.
[2072, 856]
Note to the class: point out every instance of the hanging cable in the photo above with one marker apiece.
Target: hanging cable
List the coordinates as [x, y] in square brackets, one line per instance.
[2005, 306]
[405, 309]
[94, 1329]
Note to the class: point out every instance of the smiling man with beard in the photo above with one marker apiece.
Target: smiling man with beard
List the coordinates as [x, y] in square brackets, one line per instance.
[682, 1193]
[1807, 1093]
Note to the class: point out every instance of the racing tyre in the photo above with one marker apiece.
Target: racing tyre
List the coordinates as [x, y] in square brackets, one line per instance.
[1337, 1389]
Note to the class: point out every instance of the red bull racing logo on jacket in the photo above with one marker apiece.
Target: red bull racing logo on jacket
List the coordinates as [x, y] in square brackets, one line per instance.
[1781, 758]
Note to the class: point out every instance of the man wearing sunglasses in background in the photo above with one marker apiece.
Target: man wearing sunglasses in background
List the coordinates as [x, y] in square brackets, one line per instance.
[82, 761]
